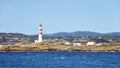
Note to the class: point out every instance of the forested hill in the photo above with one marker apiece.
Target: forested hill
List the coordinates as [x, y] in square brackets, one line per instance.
[82, 33]
[6, 38]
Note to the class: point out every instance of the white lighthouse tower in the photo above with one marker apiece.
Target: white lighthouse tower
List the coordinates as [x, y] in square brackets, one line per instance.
[39, 34]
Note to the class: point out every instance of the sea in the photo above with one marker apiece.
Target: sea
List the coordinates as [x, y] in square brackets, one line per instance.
[59, 59]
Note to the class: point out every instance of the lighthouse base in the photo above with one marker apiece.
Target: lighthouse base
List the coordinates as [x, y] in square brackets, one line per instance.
[36, 41]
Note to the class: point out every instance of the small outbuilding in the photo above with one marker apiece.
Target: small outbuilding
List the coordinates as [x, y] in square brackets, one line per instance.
[91, 43]
[77, 44]
[67, 43]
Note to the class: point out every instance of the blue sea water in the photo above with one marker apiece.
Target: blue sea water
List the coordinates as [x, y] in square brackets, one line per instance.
[59, 59]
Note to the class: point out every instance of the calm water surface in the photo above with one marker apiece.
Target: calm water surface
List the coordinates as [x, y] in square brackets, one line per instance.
[59, 59]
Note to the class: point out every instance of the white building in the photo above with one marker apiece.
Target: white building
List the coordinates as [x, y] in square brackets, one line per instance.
[99, 43]
[91, 43]
[67, 43]
[77, 44]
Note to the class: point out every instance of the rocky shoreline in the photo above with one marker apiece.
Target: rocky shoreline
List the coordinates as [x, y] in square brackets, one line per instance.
[59, 47]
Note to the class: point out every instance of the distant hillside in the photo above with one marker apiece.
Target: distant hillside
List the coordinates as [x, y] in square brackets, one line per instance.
[9, 38]
[81, 33]
[12, 35]
[114, 33]
[75, 34]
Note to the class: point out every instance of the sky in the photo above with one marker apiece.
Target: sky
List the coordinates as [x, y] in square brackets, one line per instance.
[24, 16]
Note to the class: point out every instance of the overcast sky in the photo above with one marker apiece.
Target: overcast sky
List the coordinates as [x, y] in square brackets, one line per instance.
[24, 16]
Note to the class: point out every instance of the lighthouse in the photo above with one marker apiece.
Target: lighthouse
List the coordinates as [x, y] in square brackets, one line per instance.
[39, 34]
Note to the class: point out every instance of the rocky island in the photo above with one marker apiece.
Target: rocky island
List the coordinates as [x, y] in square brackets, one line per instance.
[21, 42]
[59, 47]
